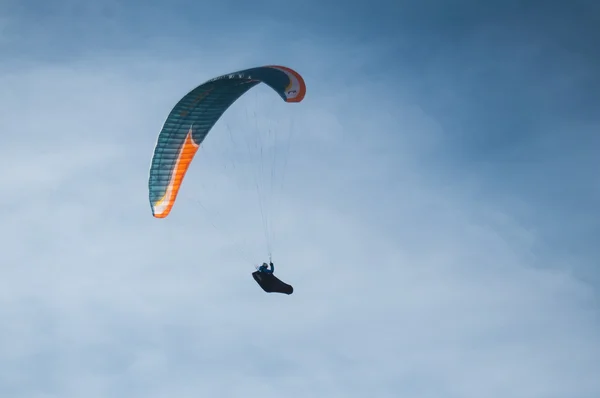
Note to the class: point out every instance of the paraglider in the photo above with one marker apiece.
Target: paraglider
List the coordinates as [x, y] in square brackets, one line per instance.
[265, 268]
[188, 124]
[269, 282]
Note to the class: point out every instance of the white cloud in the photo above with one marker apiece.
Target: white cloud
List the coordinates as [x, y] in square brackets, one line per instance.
[404, 286]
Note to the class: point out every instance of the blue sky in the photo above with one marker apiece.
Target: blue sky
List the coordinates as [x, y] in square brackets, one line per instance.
[436, 217]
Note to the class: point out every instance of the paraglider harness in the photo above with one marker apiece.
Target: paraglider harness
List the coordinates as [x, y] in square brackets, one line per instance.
[269, 282]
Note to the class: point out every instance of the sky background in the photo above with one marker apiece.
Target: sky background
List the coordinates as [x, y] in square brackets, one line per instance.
[436, 214]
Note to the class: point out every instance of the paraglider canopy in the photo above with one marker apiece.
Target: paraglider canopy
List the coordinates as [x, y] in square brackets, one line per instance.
[194, 116]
